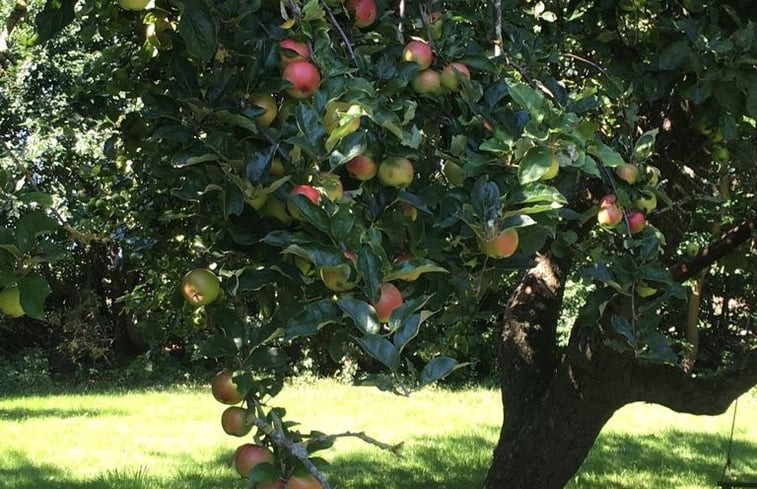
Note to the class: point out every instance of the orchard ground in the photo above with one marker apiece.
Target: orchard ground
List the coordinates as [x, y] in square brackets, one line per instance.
[173, 438]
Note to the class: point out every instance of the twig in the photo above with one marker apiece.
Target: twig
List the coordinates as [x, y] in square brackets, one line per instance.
[347, 42]
[499, 41]
[296, 449]
[395, 449]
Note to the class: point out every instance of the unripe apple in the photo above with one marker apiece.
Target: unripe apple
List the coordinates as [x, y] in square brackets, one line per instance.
[721, 154]
[277, 168]
[200, 287]
[304, 77]
[337, 277]
[418, 52]
[389, 300]
[454, 173]
[276, 209]
[636, 221]
[249, 456]
[308, 191]
[291, 50]
[609, 213]
[133, 4]
[267, 103]
[647, 202]
[331, 186]
[224, 389]
[427, 81]
[10, 302]
[396, 172]
[361, 168]
[554, 168]
[501, 245]
[627, 172]
[305, 481]
[363, 11]
[653, 175]
[436, 24]
[450, 73]
[236, 421]
[334, 111]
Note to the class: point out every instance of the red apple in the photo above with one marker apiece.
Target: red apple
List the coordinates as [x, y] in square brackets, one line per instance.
[627, 172]
[200, 287]
[236, 421]
[396, 172]
[501, 245]
[361, 168]
[609, 213]
[291, 50]
[427, 81]
[418, 52]
[303, 482]
[308, 191]
[304, 77]
[389, 300]
[450, 73]
[267, 103]
[636, 221]
[248, 456]
[224, 389]
[363, 11]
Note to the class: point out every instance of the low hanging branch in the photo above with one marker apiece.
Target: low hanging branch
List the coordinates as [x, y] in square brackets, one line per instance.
[729, 241]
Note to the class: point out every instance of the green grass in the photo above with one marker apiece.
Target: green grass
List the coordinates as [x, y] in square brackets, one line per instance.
[172, 439]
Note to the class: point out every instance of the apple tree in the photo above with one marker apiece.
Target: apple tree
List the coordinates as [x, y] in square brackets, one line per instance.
[375, 177]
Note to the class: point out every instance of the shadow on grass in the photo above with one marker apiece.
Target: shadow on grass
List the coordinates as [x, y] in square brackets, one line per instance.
[15, 414]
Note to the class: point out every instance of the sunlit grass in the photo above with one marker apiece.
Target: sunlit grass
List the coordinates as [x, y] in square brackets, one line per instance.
[172, 439]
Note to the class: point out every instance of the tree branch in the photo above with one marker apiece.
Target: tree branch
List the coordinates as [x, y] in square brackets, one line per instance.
[728, 242]
[342, 34]
[711, 394]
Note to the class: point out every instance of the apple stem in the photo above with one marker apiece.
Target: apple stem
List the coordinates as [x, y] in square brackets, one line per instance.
[296, 449]
[347, 43]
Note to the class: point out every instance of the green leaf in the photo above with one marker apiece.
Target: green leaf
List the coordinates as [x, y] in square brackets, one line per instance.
[658, 348]
[362, 313]
[40, 198]
[411, 269]
[645, 145]
[381, 349]
[56, 15]
[31, 225]
[198, 28]
[407, 331]
[485, 199]
[534, 164]
[218, 346]
[370, 270]
[529, 99]
[314, 317]
[33, 290]
[609, 156]
[438, 368]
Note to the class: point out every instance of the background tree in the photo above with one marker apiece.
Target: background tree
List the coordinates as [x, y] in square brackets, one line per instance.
[253, 130]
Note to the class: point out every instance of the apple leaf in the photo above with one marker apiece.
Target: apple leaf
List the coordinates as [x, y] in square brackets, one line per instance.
[407, 331]
[407, 270]
[529, 99]
[33, 290]
[609, 156]
[485, 199]
[645, 145]
[31, 225]
[56, 15]
[218, 346]
[369, 266]
[438, 368]
[263, 472]
[381, 349]
[198, 29]
[311, 319]
[657, 349]
[362, 313]
[534, 164]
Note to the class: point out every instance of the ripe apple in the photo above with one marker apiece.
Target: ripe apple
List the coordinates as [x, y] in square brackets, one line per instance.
[554, 168]
[277, 484]
[308, 191]
[647, 202]
[427, 81]
[436, 24]
[304, 77]
[200, 287]
[10, 302]
[501, 245]
[331, 186]
[224, 389]
[389, 300]
[628, 172]
[636, 221]
[236, 421]
[396, 172]
[303, 482]
[337, 277]
[248, 456]
[419, 52]
[449, 75]
[133, 4]
[609, 213]
[334, 110]
[291, 50]
[363, 11]
[361, 168]
[267, 103]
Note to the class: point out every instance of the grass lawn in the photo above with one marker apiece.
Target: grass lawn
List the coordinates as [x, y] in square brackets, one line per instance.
[173, 439]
